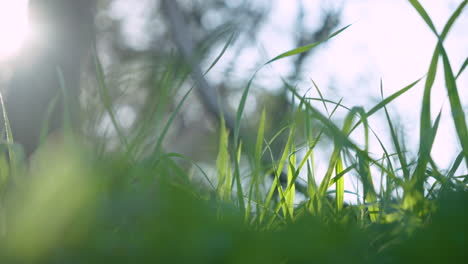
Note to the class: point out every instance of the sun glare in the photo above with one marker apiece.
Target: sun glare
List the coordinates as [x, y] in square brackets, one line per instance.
[13, 26]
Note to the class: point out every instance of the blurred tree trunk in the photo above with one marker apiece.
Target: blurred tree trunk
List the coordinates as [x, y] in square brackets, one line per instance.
[61, 35]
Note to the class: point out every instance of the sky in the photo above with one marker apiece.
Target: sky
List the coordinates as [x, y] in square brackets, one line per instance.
[387, 40]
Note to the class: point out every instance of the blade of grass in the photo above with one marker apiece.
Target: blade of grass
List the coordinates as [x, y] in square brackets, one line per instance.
[306, 47]
[321, 97]
[452, 20]
[462, 68]
[396, 141]
[220, 55]
[254, 186]
[9, 140]
[177, 155]
[290, 191]
[422, 12]
[158, 148]
[237, 179]
[424, 151]
[386, 101]
[339, 191]
[107, 101]
[223, 165]
[276, 185]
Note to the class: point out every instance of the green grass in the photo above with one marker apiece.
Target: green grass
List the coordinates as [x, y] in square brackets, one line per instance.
[74, 204]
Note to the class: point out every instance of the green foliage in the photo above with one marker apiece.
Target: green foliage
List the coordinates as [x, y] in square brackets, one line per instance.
[74, 204]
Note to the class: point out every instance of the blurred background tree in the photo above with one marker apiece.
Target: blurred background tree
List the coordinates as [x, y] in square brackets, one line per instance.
[138, 65]
[146, 71]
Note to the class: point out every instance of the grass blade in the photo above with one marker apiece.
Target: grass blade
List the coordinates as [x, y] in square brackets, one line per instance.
[9, 140]
[306, 47]
[107, 101]
[158, 147]
[458, 114]
[223, 165]
[339, 191]
[462, 68]
[387, 101]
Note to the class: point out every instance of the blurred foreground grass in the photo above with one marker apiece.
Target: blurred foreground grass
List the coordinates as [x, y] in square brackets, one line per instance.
[72, 208]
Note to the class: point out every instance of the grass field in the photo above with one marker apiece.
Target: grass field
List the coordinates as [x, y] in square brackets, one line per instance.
[75, 204]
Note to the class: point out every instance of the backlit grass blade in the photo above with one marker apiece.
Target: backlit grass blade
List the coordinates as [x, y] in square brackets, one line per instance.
[435, 128]
[396, 141]
[240, 109]
[390, 98]
[456, 164]
[260, 139]
[296, 51]
[426, 123]
[310, 161]
[424, 150]
[152, 118]
[229, 42]
[338, 104]
[306, 47]
[370, 195]
[332, 128]
[237, 178]
[422, 12]
[291, 174]
[432, 134]
[312, 189]
[339, 191]
[9, 140]
[158, 147]
[452, 20]
[321, 97]
[335, 157]
[223, 165]
[276, 185]
[333, 131]
[331, 167]
[182, 157]
[66, 103]
[391, 177]
[48, 114]
[107, 100]
[387, 101]
[254, 188]
[296, 170]
[462, 68]
[342, 173]
[458, 114]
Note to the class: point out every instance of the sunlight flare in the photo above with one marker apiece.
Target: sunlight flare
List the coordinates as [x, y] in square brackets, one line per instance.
[13, 26]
